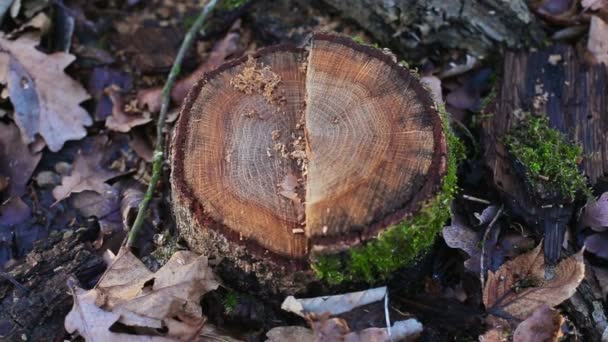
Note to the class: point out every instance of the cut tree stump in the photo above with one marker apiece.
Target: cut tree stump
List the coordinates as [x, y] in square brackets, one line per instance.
[289, 154]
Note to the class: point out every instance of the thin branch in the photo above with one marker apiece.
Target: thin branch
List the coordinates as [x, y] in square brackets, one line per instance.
[157, 161]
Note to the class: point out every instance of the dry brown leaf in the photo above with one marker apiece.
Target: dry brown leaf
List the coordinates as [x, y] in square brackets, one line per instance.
[433, 84]
[94, 324]
[598, 40]
[518, 288]
[594, 5]
[46, 100]
[87, 173]
[168, 299]
[543, 326]
[120, 120]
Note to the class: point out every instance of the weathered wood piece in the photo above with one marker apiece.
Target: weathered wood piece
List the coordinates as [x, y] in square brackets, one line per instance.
[292, 153]
[37, 312]
[557, 82]
[419, 28]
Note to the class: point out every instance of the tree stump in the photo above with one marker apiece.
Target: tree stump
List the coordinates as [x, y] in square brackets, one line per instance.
[289, 154]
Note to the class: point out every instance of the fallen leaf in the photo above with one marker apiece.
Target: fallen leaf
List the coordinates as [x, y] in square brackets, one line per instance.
[87, 173]
[120, 120]
[141, 145]
[333, 304]
[598, 40]
[433, 83]
[93, 323]
[518, 288]
[105, 207]
[326, 329]
[459, 235]
[17, 163]
[102, 78]
[594, 5]
[168, 299]
[152, 97]
[46, 100]
[543, 326]
[290, 333]
[597, 244]
[595, 215]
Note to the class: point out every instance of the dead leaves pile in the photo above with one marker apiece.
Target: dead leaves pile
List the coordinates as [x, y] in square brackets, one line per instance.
[161, 306]
[518, 296]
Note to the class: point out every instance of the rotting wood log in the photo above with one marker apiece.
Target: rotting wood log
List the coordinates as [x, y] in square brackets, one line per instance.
[289, 154]
[36, 299]
[419, 28]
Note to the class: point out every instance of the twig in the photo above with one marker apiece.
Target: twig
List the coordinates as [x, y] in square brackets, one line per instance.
[476, 199]
[157, 161]
[14, 282]
[482, 267]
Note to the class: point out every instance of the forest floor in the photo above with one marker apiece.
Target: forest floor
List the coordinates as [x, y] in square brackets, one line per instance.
[78, 115]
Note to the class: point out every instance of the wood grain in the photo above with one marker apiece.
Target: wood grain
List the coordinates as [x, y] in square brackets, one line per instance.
[292, 151]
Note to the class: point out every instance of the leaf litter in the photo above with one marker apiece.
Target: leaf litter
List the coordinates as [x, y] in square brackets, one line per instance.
[129, 294]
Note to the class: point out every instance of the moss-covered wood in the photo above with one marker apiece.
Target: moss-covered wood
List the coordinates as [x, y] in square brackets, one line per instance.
[403, 242]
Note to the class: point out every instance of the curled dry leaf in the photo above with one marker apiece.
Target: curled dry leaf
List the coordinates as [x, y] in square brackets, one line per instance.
[518, 288]
[595, 215]
[87, 173]
[594, 5]
[46, 100]
[433, 83]
[598, 40]
[120, 120]
[168, 299]
[543, 326]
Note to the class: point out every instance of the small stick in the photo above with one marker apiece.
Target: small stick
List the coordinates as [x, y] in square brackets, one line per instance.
[482, 276]
[157, 162]
[475, 199]
[14, 282]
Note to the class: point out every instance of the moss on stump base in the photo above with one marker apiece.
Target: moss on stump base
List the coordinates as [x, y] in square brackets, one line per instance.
[297, 165]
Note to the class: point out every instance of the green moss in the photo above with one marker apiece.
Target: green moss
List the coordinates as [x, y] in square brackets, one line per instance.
[230, 302]
[550, 160]
[402, 243]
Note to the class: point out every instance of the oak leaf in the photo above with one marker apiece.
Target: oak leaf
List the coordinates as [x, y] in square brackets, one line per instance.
[46, 100]
[519, 287]
[94, 323]
[168, 299]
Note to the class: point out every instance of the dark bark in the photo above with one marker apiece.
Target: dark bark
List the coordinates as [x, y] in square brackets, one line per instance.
[422, 28]
[37, 311]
